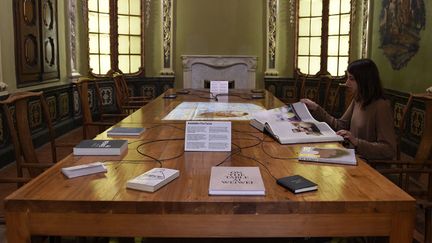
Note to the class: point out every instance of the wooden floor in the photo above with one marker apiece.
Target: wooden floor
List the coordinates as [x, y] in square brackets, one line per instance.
[75, 136]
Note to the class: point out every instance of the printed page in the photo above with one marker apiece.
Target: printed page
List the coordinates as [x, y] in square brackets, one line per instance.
[302, 111]
[208, 136]
[302, 132]
[219, 87]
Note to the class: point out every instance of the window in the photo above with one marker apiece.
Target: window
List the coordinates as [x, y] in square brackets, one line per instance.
[115, 31]
[323, 36]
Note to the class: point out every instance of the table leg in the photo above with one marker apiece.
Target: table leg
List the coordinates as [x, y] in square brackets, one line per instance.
[17, 228]
[402, 227]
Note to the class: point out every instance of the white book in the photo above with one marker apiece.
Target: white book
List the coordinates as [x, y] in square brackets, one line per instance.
[328, 155]
[153, 179]
[82, 170]
[126, 131]
[236, 181]
[101, 147]
[294, 124]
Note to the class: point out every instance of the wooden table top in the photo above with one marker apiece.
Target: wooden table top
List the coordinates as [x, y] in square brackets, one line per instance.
[341, 189]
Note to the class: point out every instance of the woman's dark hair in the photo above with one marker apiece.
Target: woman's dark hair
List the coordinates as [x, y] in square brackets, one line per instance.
[369, 86]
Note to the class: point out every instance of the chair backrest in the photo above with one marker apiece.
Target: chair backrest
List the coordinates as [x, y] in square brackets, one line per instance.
[122, 93]
[82, 86]
[20, 130]
[424, 149]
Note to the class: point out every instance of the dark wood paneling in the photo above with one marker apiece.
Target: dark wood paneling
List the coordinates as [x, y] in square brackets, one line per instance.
[36, 49]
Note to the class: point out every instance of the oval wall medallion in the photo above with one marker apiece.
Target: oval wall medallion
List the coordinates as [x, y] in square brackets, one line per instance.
[48, 15]
[29, 11]
[30, 50]
[49, 51]
[400, 24]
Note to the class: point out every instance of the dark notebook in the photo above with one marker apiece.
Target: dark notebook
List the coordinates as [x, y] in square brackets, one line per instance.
[100, 147]
[297, 184]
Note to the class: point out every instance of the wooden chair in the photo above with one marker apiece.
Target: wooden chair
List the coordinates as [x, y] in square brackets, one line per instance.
[414, 176]
[27, 164]
[126, 103]
[98, 119]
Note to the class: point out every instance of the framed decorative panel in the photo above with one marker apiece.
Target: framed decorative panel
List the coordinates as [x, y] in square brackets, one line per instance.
[397, 113]
[52, 107]
[148, 90]
[417, 122]
[63, 105]
[35, 114]
[36, 49]
[107, 94]
[76, 102]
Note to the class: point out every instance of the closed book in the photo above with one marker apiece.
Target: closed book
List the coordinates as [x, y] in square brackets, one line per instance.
[297, 184]
[82, 170]
[153, 179]
[236, 181]
[125, 131]
[328, 155]
[100, 147]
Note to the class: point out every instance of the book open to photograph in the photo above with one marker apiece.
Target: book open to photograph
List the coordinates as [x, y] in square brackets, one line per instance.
[328, 155]
[153, 179]
[101, 147]
[293, 123]
[236, 181]
[126, 131]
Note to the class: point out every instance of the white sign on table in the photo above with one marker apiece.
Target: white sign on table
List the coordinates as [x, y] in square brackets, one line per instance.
[219, 87]
[208, 136]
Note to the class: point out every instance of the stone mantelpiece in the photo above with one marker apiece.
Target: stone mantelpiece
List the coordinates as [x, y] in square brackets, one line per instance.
[197, 68]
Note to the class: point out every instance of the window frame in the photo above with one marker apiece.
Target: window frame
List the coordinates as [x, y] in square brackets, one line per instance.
[323, 70]
[114, 37]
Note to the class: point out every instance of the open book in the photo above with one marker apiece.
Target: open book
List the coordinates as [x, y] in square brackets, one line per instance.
[328, 155]
[293, 123]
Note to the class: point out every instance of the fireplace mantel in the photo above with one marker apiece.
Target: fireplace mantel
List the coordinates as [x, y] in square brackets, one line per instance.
[197, 68]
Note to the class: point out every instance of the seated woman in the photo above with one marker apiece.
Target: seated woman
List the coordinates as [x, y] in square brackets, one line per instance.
[367, 124]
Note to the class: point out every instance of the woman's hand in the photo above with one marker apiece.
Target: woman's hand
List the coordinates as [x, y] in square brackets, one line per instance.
[348, 136]
[312, 106]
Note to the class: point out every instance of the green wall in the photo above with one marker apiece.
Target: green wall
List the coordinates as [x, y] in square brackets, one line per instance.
[417, 75]
[222, 27]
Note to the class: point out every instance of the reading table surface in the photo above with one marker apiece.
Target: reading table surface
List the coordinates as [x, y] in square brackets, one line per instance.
[350, 201]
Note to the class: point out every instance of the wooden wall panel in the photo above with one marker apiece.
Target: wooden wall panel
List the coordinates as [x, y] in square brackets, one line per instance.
[36, 47]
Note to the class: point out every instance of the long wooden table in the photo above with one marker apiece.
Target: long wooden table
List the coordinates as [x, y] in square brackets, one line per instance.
[350, 201]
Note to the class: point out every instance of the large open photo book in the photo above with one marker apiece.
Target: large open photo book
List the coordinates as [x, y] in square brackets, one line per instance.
[293, 123]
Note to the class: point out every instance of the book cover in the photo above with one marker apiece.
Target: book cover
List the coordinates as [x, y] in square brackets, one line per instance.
[126, 131]
[236, 181]
[82, 170]
[297, 184]
[294, 124]
[153, 179]
[328, 155]
[100, 147]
